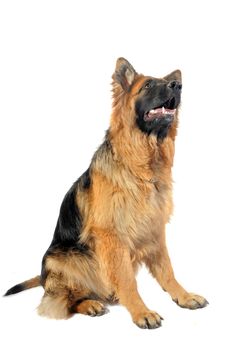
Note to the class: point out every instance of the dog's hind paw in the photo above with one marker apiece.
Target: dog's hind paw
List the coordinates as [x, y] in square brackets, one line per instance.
[91, 308]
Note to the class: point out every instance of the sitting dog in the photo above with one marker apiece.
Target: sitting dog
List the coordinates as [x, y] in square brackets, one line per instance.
[113, 218]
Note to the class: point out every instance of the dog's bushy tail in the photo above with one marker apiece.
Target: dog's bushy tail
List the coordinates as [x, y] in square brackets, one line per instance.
[33, 282]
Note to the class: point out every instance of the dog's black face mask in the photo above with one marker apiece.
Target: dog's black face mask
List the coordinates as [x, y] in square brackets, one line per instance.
[157, 103]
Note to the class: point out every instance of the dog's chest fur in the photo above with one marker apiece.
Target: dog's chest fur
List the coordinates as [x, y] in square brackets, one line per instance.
[142, 217]
[137, 210]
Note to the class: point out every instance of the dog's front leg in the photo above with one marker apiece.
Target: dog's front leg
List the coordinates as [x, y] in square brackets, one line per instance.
[118, 266]
[160, 266]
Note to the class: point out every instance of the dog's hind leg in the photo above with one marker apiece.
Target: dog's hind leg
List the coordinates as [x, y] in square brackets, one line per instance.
[62, 299]
[59, 297]
[63, 304]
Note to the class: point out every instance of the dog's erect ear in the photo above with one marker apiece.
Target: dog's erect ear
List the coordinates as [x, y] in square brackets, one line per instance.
[176, 75]
[124, 73]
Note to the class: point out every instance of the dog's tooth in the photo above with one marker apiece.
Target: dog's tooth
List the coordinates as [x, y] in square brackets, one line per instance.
[163, 110]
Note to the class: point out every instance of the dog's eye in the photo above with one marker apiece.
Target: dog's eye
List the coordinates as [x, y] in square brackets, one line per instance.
[147, 85]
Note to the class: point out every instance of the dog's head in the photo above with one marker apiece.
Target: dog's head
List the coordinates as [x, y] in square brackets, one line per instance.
[149, 103]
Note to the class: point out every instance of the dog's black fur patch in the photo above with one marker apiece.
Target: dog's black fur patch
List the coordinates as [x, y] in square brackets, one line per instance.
[69, 224]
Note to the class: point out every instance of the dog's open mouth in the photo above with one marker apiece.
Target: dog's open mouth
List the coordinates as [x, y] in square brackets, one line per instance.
[167, 109]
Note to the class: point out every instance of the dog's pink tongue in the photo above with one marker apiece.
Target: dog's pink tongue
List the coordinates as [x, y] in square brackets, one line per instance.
[154, 113]
[158, 113]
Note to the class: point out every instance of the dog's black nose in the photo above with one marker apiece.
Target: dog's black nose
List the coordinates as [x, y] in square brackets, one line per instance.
[175, 85]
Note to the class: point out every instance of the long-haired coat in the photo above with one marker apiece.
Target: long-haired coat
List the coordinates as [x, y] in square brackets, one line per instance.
[114, 216]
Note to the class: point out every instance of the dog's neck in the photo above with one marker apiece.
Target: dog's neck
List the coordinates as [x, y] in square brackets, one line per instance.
[144, 156]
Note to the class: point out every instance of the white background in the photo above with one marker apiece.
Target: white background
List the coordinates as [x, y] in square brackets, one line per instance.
[56, 62]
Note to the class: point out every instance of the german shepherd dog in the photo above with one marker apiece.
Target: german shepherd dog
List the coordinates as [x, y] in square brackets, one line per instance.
[113, 218]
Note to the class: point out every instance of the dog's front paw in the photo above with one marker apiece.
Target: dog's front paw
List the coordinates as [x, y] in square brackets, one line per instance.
[191, 301]
[148, 319]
